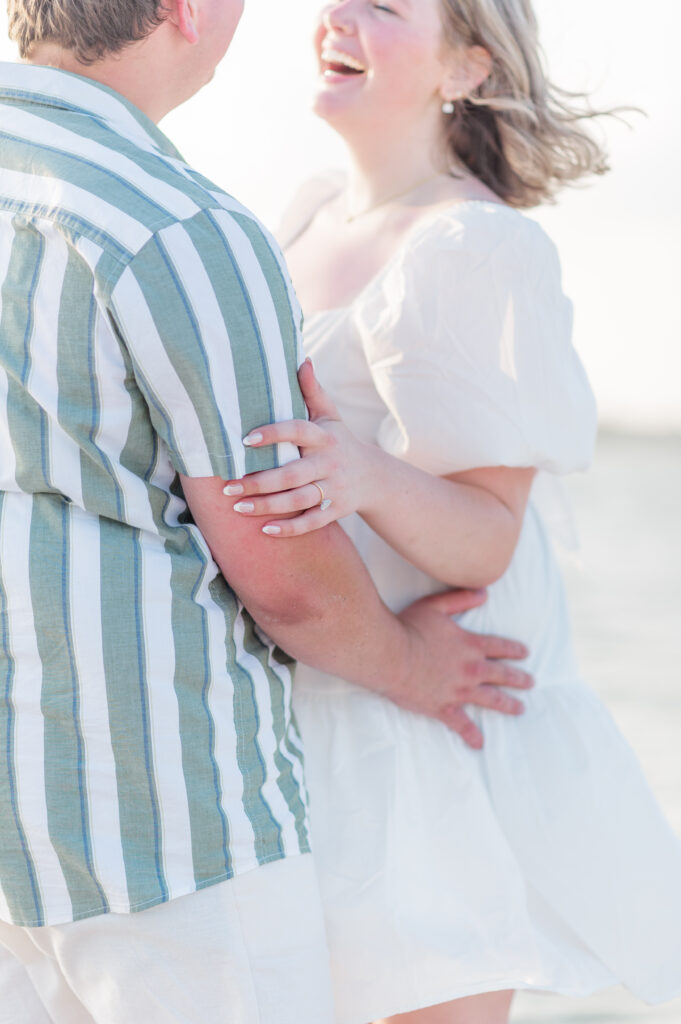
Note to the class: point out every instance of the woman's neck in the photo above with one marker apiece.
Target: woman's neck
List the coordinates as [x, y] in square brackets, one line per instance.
[412, 174]
[383, 164]
[368, 189]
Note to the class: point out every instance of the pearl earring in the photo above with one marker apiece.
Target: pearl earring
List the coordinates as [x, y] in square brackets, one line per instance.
[449, 105]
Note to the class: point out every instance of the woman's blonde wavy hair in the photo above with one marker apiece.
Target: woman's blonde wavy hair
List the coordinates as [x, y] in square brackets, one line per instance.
[518, 133]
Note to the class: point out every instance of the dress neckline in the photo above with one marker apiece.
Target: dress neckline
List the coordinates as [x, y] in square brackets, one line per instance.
[422, 223]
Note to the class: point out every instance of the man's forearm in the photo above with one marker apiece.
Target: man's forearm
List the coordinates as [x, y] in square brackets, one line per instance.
[313, 595]
[338, 623]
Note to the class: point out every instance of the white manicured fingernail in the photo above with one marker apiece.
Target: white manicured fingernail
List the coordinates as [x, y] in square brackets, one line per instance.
[244, 506]
[231, 489]
[252, 439]
[271, 530]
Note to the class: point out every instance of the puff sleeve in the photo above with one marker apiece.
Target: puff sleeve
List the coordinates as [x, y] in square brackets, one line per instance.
[468, 339]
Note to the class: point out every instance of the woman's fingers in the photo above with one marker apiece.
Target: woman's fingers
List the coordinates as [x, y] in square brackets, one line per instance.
[318, 402]
[299, 432]
[314, 519]
[297, 500]
[269, 481]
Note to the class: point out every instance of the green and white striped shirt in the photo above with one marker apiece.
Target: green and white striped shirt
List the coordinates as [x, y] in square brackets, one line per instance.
[147, 323]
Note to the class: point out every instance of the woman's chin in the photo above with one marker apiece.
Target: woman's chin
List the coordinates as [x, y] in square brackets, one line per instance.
[336, 106]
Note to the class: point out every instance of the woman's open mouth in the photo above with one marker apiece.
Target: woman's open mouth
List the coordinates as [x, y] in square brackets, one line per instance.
[335, 64]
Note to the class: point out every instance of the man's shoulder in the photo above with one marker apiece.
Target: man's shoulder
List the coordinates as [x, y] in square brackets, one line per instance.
[219, 229]
[104, 191]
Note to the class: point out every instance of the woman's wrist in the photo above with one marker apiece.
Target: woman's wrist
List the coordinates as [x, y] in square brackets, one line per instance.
[371, 483]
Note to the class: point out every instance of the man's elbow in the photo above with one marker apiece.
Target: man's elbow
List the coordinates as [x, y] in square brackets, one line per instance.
[280, 611]
[302, 588]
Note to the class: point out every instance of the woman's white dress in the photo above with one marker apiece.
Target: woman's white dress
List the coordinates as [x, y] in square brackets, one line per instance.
[542, 862]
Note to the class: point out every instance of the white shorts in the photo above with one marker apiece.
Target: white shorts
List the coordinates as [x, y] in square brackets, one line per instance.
[248, 951]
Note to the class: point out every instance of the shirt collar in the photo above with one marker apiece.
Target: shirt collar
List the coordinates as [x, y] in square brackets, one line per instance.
[62, 89]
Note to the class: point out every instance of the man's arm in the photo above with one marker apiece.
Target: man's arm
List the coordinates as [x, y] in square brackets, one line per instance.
[314, 597]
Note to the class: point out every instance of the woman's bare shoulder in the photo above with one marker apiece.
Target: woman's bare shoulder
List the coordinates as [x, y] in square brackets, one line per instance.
[314, 193]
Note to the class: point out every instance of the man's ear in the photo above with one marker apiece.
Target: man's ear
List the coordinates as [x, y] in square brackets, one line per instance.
[183, 14]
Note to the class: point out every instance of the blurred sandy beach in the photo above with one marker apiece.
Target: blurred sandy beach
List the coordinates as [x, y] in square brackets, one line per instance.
[625, 598]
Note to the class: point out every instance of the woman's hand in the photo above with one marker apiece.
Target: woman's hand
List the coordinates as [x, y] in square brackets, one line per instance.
[328, 482]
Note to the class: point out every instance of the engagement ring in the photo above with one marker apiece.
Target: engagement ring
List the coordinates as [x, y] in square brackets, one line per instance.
[324, 502]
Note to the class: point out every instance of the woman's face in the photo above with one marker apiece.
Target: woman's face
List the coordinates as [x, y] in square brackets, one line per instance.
[379, 60]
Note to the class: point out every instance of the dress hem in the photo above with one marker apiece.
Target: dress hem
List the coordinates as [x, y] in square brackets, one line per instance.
[491, 986]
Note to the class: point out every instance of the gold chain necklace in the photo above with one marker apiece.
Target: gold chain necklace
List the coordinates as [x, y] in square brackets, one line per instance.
[350, 217]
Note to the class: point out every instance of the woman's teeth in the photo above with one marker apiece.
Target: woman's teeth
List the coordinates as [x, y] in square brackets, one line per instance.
[341, 63]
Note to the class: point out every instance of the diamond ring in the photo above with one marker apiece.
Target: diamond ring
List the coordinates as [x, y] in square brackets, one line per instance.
[324, 502]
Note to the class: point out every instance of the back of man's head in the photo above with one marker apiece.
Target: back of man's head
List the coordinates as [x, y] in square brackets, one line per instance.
[89, 29]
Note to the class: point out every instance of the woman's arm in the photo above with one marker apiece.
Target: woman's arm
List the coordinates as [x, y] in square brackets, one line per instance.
[462, 529]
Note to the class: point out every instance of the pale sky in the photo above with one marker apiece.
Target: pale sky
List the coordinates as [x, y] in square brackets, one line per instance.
[251, 131]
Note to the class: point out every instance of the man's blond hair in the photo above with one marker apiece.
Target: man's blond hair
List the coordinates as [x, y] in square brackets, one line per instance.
[89, 29]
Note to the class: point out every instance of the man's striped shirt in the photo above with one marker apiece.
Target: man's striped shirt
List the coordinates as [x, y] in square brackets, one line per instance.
[147, 323]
